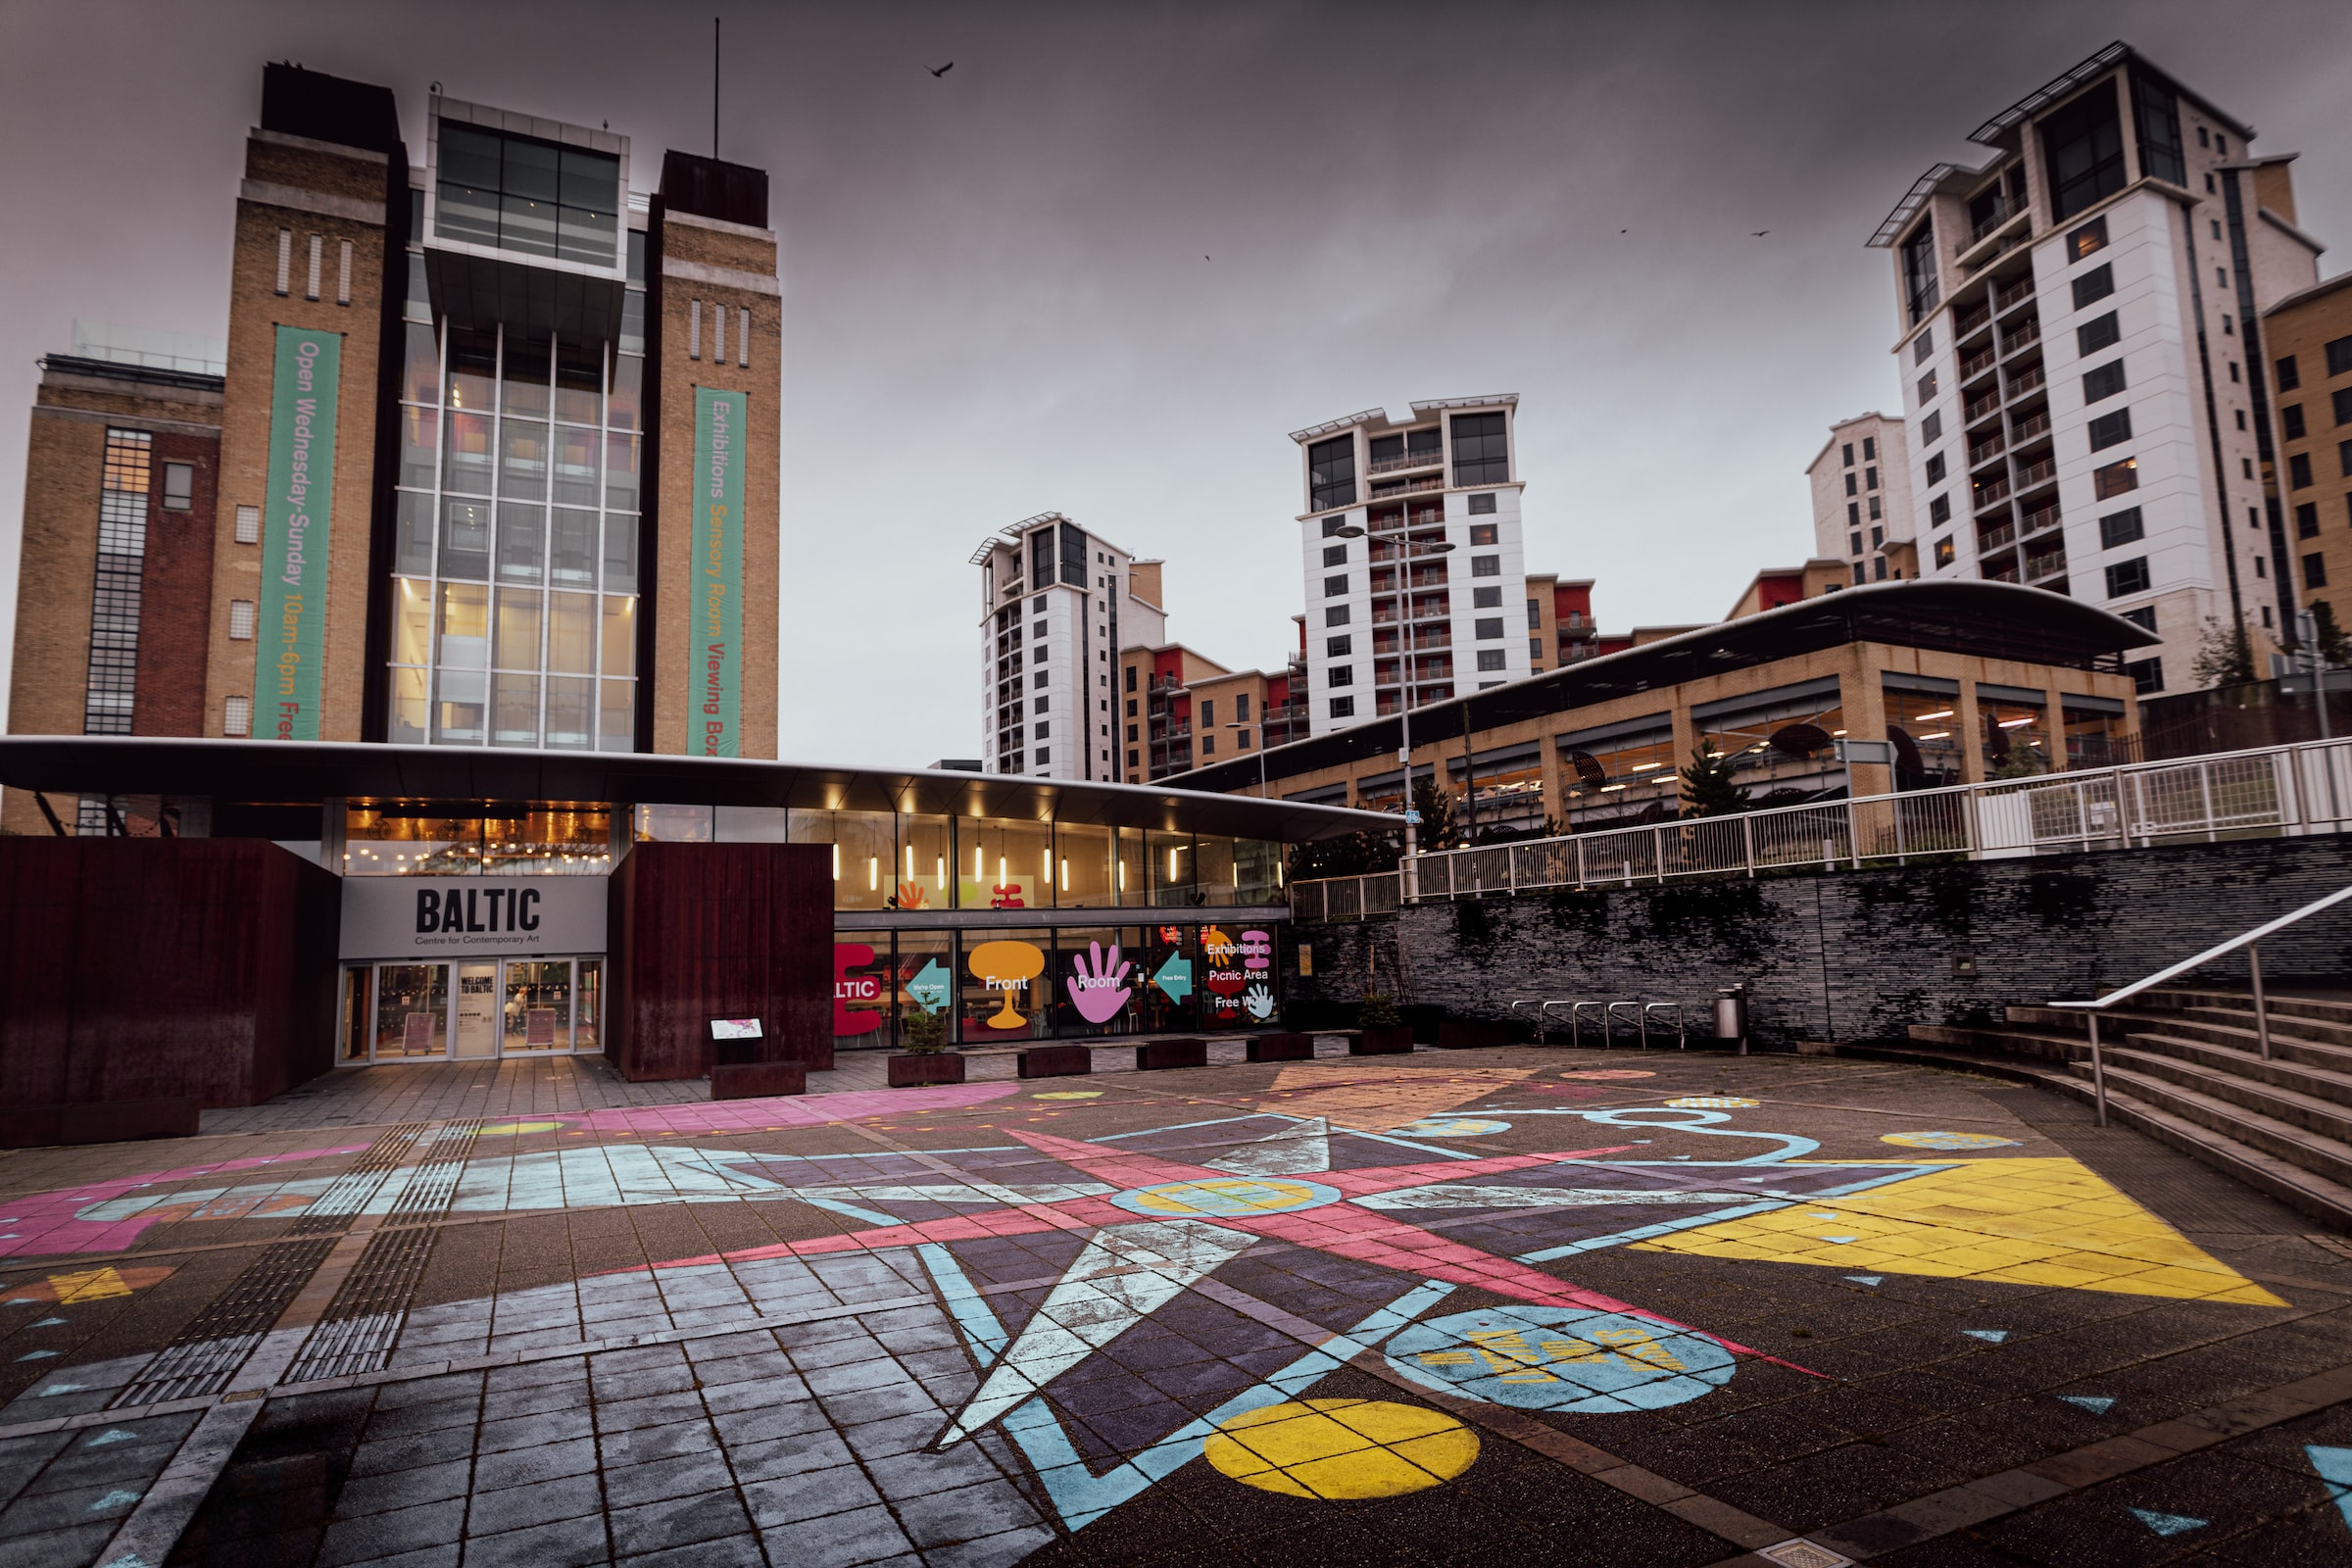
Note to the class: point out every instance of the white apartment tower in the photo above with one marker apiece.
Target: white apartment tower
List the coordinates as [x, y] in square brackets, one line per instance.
[1862, 499]
[1055, 607]
[1409, 551]
[2081, 356]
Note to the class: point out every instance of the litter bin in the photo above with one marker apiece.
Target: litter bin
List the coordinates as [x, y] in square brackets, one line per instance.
[1730, 1015]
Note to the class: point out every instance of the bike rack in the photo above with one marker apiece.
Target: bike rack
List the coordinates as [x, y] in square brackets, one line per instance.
[1682, 1034]
[1576, 1013]
[1608, 1017]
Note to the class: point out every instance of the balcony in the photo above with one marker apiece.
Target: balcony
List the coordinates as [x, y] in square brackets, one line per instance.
[2026, 380]
[1387, 550]
[2022, 289]
[1411, 460]
[2001, 571]
[1978, 408]
[2041, 517]
[1975, 364]
[1990, 539]
[2026, 429]
[1434, 637]
[1385, 581]
[2023, 336]
[2034, 473]
[1426, 547]
[1966, 322]
[1386, 642]
[1428, 577]
[1984, 450]
[1398, 487]
[2002, 211]
[1986, 494]
[1385, 616]
[1427, 517]
[2040, 566]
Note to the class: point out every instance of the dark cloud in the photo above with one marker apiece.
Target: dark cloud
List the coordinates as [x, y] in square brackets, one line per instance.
[997, 301]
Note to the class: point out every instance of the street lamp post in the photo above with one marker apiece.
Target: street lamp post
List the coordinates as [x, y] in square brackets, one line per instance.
[1261, 756]
[1410, 872]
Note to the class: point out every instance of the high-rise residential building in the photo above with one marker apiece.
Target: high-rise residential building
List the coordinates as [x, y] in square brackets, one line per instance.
[2080, 323]
[1056, 606]
[2308, 337]
[490, 458]
[1862, 498]
[1410, 558]
[1559, 622]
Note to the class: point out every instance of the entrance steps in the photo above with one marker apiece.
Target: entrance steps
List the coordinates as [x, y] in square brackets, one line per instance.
[2185, 1067]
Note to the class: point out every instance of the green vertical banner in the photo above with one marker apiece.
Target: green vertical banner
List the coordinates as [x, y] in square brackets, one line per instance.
[298, 520]
[716, 619]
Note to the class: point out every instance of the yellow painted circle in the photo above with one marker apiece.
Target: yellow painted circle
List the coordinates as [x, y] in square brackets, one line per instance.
[1072, 1094]
[1342, 1448]
[1941, 1140]
[517, 1128]
[1713, 1103]
[1228, 1196]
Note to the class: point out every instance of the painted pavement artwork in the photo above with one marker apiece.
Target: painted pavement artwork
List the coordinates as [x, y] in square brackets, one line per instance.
[1268, 1312]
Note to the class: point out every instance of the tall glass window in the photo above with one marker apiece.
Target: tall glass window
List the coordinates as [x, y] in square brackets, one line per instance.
[515, 603]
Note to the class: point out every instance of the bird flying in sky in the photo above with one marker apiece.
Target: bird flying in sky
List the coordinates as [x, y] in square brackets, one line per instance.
[942, 71]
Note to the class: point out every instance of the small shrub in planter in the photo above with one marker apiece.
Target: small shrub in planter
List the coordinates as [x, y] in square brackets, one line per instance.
[926, 1060]
[1381, 1031]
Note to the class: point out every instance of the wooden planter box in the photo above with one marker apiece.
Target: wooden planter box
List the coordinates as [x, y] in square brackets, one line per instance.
[1283, 1048]
[1153, 1056]
[908, 1071]
[1472, 1035]
[757, 1080]
[1057, 1061]
[1396, 1042]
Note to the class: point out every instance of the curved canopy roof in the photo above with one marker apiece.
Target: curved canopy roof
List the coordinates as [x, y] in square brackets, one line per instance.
[304, 772]
[1987, 620]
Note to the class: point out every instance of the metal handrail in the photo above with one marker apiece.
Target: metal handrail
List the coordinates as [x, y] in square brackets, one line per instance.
[2251, 941]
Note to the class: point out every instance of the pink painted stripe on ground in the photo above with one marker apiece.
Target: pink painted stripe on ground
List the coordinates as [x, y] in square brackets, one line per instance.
[790, 1111]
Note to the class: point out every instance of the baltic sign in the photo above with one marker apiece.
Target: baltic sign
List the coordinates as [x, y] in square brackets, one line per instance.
[715, 664]
[395, 916]
[298, 520]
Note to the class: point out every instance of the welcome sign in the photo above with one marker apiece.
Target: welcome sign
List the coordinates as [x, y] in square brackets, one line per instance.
[714, 667]
[298, 520]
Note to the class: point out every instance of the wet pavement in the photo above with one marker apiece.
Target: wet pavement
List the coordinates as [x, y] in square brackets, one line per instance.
[1476, 1306]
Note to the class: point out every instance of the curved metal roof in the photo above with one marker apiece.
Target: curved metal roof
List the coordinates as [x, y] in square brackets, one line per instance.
[1987, 620]
[303, 772]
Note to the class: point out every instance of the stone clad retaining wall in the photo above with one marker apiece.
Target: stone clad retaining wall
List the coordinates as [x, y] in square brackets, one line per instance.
[1850, 955]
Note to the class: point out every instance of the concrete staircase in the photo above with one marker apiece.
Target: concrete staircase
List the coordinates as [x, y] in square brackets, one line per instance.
[2185, 1066]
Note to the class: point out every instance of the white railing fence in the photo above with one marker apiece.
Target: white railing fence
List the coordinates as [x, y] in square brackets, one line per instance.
[2281, 791]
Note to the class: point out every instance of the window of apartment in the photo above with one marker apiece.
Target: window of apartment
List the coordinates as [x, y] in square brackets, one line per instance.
[1926, 387]
[1485, 599]
[2085, 146]
[1853, 514]
[1534, 615]
[2128, 577]
[2291, 419]
[1850, 454]
[2092, 237]
[1240, 707]
[1878, 569]
[1535, 652]
[2233, 370]
[2343, 458]
[2143, 617]
[1335, 555]
[1481, 450]
[2111, 429]
[2290, 378]
[1940, 510]
[1877, 538]
[2094, 285]
[2298, 471]
[1131, 729]
[1482, 533]
[1923, 346]
[1331, 473]
[1870, 449]
[1490, 658]
[2339, 400]
[2103, 382]
[1853, 544]
[1332, 525]
[1853, 486]
[2261, 568]
[1333, 587]
[2116, 478]
[1038, 631]
[1859, 578]
[1870, 478]
[1876, 507]
[2093, 336]
[1486, 566]
[1339, 675]
[1481, 504]
[179, 485]
[1944, 553]
[1338, 647]
[1921, 289]
[1488, 627]
[522, 194]
[1334, 615]
[1930, 428]
[1044, 730]
[1044, 755]
[2156, 117]
[2315, 572]
[2307, 520]
[1935, 468]
[1208, 712]
[1131, 685]
[240, 619]
[2340, 357]
[1342, 707]
[2147, 675]
[2121, 528]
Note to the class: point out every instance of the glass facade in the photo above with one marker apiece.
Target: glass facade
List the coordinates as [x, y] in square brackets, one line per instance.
[481, 1007]
[516, 527]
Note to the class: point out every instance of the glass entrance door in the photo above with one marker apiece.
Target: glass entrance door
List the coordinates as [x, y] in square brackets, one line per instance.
[411, 1010]
[538, 1006]
[476, 1021]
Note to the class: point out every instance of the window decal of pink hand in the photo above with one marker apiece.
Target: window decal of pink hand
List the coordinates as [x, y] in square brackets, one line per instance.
[1099, 985]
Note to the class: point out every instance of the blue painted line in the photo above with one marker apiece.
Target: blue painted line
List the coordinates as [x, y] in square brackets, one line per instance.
[1187, 1126]
[2100, 1404]
[840, 1208]
[2335, 1467]
[2169, 1524]
[1866, 1279]
[979, 1322]
[1989, 1336]
[1645, 1232]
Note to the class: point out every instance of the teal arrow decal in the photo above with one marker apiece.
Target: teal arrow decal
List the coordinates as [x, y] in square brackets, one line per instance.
[929, 989]
[2335, 1466]
[1175, 977]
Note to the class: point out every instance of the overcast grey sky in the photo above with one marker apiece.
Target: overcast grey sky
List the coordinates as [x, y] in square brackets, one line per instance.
[1104, 264]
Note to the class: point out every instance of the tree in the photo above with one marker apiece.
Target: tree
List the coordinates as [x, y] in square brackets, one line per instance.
[1356, 855]
[2335, 646]
[2225, 656]
[1709, 787]
[1438, 829]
